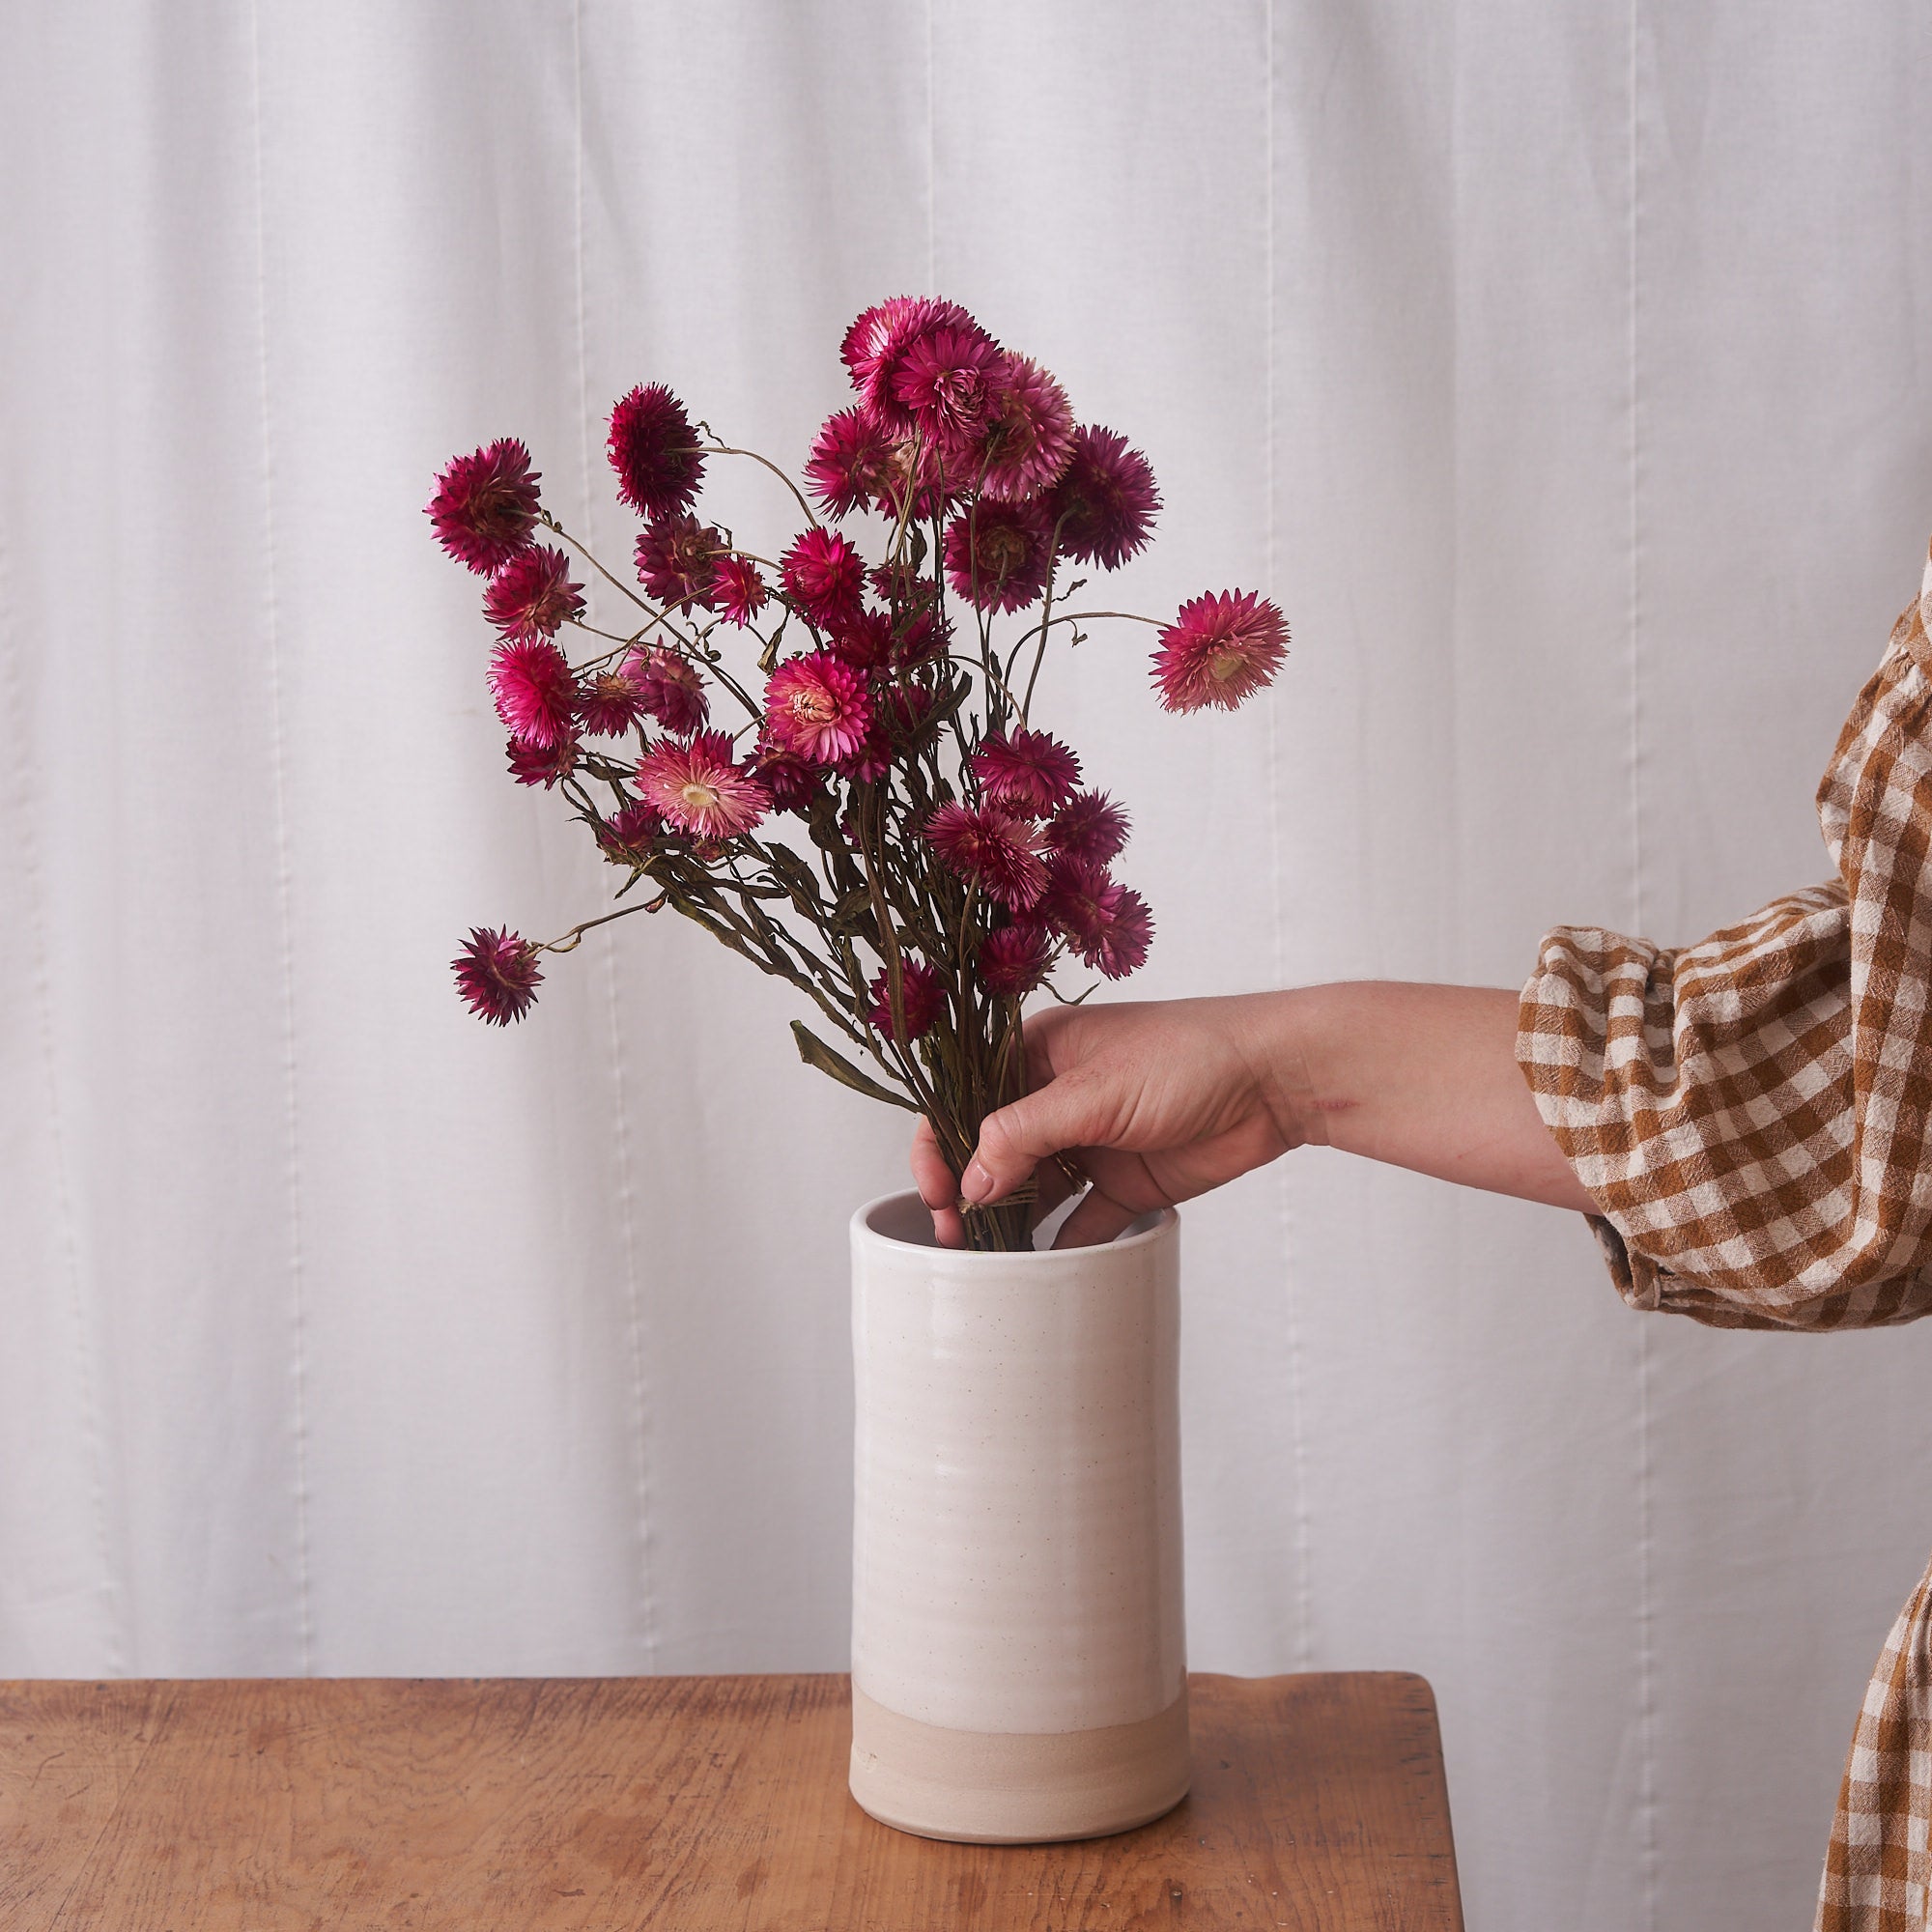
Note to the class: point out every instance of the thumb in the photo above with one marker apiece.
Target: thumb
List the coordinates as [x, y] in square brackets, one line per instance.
[1069, 1112]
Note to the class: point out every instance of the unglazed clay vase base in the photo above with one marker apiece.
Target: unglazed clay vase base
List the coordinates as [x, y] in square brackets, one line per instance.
[1018, 1654]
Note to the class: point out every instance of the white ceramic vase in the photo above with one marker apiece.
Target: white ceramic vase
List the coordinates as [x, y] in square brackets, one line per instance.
[1018, 1652]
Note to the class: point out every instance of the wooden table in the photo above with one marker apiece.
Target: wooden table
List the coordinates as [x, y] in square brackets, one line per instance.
[683, 1802]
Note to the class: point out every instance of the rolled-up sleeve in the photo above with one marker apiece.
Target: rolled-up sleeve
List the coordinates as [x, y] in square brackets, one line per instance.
[1750, 1113]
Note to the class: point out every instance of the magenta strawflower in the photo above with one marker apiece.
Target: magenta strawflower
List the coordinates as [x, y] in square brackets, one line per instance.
[610, 702]
[1013, 960]
[999, 852]
[922, 1000]
[737, 589]
[669, 688]
[1220, 649]
[497, 975]
[818, 708]
[864, 639]
[876, 344]
[1090, 826]
[541, 764]
[1028, 772]
[629, 837]
[699, 789]
[536, 693]
[997, 555]
[531, 595]
[824, 577]
[485, 505]
[791, 782]
[654, 452]
[1106, 922]
[851, 462]
[943, 379]
[870, 759]
[1105, 502]
[1027, 436]
[677, 561]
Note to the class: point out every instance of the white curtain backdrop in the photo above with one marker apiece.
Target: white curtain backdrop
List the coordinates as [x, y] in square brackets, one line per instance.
[1564, 371]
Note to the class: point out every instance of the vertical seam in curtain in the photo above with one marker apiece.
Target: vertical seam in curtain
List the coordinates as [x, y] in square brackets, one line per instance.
[931, 157]
[284, 870]
[1646, 1688]
[627, 1191]
[93, 1426]
[1304, 1622]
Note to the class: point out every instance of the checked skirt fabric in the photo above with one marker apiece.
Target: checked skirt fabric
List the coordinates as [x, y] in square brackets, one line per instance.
[1752, 1116]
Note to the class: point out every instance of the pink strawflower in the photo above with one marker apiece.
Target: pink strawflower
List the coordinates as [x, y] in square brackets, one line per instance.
[541, 764]
[1027, 438]
[1013, 960]
[1106, 922]
[485, 505]
[1029, 772]
[610, 702]
[531, 595]
[497, 975]
[791, 782]
[669, 689]
[654, 452]
[1000, 852]
[922, 1000]
[1090, 826]
[536, 693]
[1220, 649]
[818, 707]
[943, 379]
[872, 760]
[824, 577]
[850, 464]
[1105, 502]
[737, 589]
[699, 789]
[629, 837]
[927, 636]
[677, 561]
[865, 638]
[877, 341]
[997, 555]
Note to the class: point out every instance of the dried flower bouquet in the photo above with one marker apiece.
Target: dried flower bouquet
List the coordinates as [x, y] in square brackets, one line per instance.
[878, 819]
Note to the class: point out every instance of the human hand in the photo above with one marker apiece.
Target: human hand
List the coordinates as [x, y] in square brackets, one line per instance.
[1155, 1101]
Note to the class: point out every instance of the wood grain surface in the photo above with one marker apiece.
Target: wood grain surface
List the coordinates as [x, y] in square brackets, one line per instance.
[685, 1803]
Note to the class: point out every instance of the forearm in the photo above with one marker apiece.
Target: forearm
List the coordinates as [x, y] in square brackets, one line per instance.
[1422, 1076]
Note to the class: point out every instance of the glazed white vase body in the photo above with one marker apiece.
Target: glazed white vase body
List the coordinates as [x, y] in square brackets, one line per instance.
[1018, 1650]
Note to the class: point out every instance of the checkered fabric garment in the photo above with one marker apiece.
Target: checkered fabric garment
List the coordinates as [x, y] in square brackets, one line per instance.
[1751, 1114]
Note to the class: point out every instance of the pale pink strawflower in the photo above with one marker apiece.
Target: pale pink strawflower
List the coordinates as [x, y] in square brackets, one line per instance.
[997, 851]
[534, 691]
[1220, 649]
[1107, 924]
[654, 452]
[1090, 826]
[669, 688]
[485, 505]
[921, 1001]
[677, 561]
[818, 707]
[497, 975]
[1105, 502]
[737, 589]
[997, 555]
[541, 764]
[531, 595]
[1027, 435]
[1028, 772]
[699, 789]
[1013, 960]
[851, 462]
[824, 577]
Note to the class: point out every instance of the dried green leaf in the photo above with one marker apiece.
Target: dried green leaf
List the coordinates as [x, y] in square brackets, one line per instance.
[814, 1052]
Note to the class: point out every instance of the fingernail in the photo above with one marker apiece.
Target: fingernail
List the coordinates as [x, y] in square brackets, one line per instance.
[976, 1184]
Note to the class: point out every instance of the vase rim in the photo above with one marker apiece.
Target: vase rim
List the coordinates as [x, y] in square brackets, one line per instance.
[1159, 1222]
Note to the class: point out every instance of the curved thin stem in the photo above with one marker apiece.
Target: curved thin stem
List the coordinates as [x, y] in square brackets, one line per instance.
[725, 449]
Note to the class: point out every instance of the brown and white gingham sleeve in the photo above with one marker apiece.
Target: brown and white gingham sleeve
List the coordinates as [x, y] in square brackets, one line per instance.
[1750, 1114]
